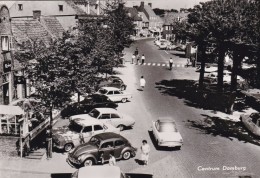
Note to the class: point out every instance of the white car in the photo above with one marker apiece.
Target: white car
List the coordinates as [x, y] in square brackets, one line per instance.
[110, 116]
[252, 122]
[79, 131]
[166, 134]
[114, 94]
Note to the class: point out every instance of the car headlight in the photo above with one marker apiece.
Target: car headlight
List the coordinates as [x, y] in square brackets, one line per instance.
[80, 157]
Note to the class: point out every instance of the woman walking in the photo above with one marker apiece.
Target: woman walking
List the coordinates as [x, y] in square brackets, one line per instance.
[142, 83]
[145, 150]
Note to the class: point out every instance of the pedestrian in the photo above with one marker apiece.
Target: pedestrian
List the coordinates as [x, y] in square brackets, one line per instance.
[101, 158]
[137, 59]
[143, 58]
[136, 51]
[145, 150]
[170, 63]
[112, 159]
[133, 58]
[142, 83]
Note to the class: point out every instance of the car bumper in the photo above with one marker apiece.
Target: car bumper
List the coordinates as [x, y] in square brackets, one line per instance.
[73, 162]
[170, 144]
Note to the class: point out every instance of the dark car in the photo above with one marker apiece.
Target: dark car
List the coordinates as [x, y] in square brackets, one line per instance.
[112, 81]
[89, 103]
[99, 147]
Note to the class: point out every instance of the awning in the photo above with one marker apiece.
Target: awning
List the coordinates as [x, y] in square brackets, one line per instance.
[11, 110]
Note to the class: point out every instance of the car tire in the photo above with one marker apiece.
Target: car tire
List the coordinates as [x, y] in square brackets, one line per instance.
[121, 127]
[126, 155]
[68, 147]
[88, 162]
[123, 87]
[124, 100]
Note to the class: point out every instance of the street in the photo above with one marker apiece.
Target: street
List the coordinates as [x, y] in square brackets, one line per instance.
[203, 153]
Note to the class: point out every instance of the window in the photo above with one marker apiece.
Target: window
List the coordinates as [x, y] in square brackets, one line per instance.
[61, 8]
[20, 7]
[116, 92]
[98, 127]
[107, 145]
[5, 43]
[110, 93]
[87, 129]
[105, 116]
[119, 143]
[113, 116]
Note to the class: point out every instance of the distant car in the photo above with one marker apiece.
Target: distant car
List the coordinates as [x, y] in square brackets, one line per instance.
[171, 46]
[79, 131]
[111, 116]
[163, 45]
[90, 102]
[90, 153]
[114, 94]
[158, 42]
[252, 122]
[180, 47]
[113, 81]
[166, 134]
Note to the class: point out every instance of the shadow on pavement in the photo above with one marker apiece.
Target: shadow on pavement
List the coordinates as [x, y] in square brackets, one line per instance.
[61, 175]
[135, 175]
[226, 128]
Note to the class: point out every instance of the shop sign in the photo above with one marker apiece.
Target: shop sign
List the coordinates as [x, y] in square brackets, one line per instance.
[7, 66]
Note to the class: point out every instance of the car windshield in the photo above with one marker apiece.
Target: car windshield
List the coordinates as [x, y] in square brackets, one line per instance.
[102, 91]
[94, 113]
[167, 127]
[95, 141]
[75, 127]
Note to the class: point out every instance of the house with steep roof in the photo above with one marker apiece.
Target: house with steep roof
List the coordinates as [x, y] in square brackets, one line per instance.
[66, 12]
[133, 13]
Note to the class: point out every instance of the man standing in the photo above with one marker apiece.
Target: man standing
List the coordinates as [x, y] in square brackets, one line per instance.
[136, 52]
[143, 58]
[170, 63]
[145, 150]
[142, 83]
[137, 59]
[133, 58]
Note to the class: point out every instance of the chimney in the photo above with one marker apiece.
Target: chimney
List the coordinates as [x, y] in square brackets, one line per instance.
[36, 14]
[150, 4]
[142, 4]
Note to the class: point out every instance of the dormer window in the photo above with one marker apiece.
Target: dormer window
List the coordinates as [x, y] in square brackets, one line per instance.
[20, 7]
[61, 8]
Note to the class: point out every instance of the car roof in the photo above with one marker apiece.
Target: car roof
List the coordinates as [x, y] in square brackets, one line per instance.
[85, 119]
[99, 172]
[109, 135]
[110, 88]
[106, 110]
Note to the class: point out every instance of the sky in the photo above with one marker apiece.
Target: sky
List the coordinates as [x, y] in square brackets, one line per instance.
[167, 4]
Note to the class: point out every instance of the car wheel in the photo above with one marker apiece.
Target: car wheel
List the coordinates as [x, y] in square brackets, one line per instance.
[126, 155]
[123, 100]
[88, 162]
[121, 127]
[122, 87]
[68, 147]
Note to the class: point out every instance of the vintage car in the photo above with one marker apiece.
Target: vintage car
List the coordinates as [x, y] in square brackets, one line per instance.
[79, 131]
[98, 149]
[90, 102]
[166, 134]
[114, 94]
[252, 122]
[110, 116]
[112, 81]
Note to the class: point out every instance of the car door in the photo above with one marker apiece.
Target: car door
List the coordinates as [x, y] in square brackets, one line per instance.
[111, 96]
[87, 133]
[98, 129]
[119, 146]
[118, 95]
[116, 120]
[105, 148]
[105, 117]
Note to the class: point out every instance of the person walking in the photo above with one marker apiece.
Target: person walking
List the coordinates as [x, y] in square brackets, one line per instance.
[170, 63]
[137, 59]
[112, 159]
[142, 83]
[133, 58]
[145, 150]
[136, 51]
[143, 58]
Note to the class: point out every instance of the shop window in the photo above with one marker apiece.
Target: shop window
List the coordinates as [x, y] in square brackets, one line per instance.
[61, 8]
[20, 7]
[5, 43]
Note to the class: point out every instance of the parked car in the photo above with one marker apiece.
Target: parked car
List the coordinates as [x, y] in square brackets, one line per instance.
[101, 145]
[90, 102]
[180, 47]
[114, 94]
[252, 122]
[166, 134]
[113, 81]
[171, 46]
[111, 116]
[163, 44]
[226, 76]
[79, 131]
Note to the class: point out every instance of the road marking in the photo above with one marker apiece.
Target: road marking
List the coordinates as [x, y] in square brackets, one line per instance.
[149, 64]
[144, 64]
[173, 65]
[158, 64]
[154, 64]
[163, 64]
[183, 65]
[166, 52]
[178, 65]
